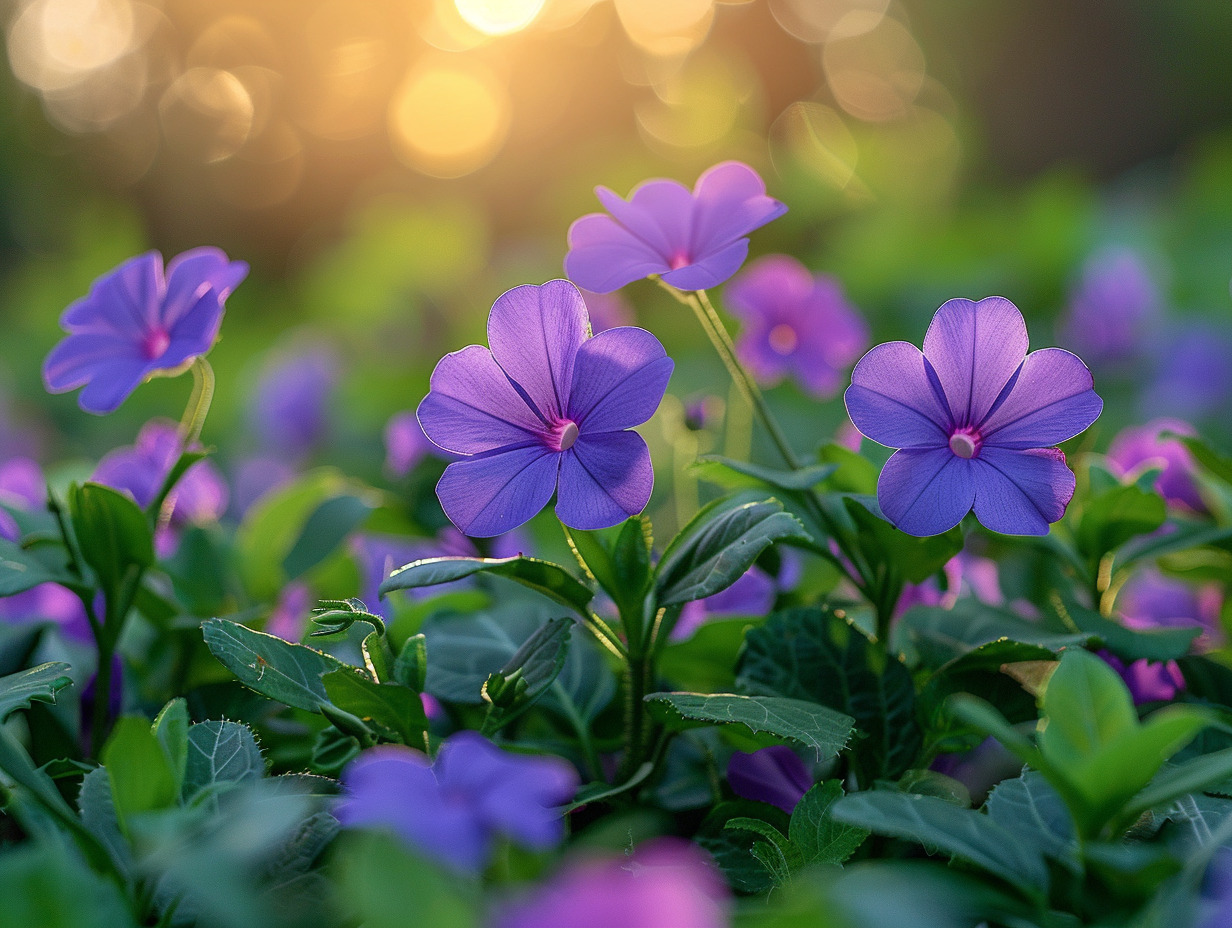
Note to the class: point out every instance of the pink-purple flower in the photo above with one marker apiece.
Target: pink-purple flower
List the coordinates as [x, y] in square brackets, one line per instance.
[1146, 446]
[692, 240]
[775, 775]
[454, 808]
[546, 410]
[138, 321]
[405, 443]
[972, 417]
[289, 413]
[1112, 308]
[795, 324]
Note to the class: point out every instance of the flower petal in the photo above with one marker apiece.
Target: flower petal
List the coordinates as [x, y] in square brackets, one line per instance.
[81, 356]
[112, 386]
[709, 270]
[124, 301]
[893, 401]
[498, 491]
[926, 491]
[731, 203]
[618, 380]
[1051, 401]
[1021, 492]
[659, 213]
[604, 479]
[535, 332]
[193, 272]
[975, 348]
[605, 256]
[473, 408]
[195, 332]
[773, 289]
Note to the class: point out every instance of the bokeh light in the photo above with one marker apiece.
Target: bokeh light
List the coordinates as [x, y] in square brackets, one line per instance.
[875, 74]
[499, 17]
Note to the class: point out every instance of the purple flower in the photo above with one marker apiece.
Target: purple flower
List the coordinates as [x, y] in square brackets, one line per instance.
[289, 411]
[1112, 306]
[140, 470]
[254, 477]
[752, 594]
[972, 417]
[289, 619]
[964, 573]
[405, 444]
[1148, 681]
[666, 883]
[452, 809]
[136, 322]
[547, 406]
[693, 240]
[1215, 897]
[1151, 600]
[1192, 376]
[1146, 446]
[775, 775]
[796, 324]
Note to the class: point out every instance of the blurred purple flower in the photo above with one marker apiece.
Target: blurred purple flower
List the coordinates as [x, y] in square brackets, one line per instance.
[775, 775]
[692, 240]
[406, 444]
[136, 322]
[1148, 681]
[1145, 445]
[752, 594]
[1151, 600]
[289, 619]
[666, 883]
[606, 310]
[703, 411]
[972, 417]
[795, 324]
[22, 487]
[141, 468]
[289, 413]
[545, 405]
[1111, 309]
[452, 809]
[979, 769]
[964, 573]
[1215, 897]
[1192, 378]
[253, 477]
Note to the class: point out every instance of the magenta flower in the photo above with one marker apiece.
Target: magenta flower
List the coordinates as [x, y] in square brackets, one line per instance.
[1151, 600]
[692, 240]
[1148, 681]
[136, 322]
[796, 324]
[666, 883]
[775, 775]
[1146, 446]
[547, 406]
[453, 809]
[1112, 307]
[973, 416]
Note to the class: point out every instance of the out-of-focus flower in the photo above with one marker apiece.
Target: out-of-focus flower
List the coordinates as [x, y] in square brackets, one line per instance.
[1215, 898]
[775, 775]
[1146, 446]
[453, 809]
[546, 406]
[973, 416]
[606, 310]
[692, 240]
[1112, 307]
[21, 487]
[795, 324]
[136, 322]
[752, 594]
[703, 411]
[964, 573]
[140, 469]
[980, 769]
[289, 413]
[289, 619]
[253, 477]
[1148, 681]
[406, 444]
[1192, 377]
[666, 883]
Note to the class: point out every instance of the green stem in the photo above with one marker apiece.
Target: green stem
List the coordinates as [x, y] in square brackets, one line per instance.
[199, 402]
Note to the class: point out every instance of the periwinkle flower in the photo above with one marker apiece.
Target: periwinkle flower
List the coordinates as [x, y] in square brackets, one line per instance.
[1146, 446]
[964, 573]
[290, 407]
[1148, 681]
[972, 417]
[795, 324]
[545, 407]
[692, 240]
[665, 883]
[752, 594]
[454, 808]
[1111, 308]
[1151, 600]
[1192, 378]
[775, 775]
[137, 321]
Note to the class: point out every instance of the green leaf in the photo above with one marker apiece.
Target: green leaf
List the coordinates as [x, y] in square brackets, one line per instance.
[1201, 773]
[47, 886]
[813, 654]
[527, 675]
[732, 848]
[940, 635]
[1086, 706]
[112, 532]
[289, 673]
[1033, 811]
[1131, 644]
[1214, 462]
[552, 580]
[21, 570]
[98, 815]
[911, 558]
[942, 827]
[775, 853]
[396, 708]
[815, 832]
[601, 790]
[815, 726]
[618, 560]
[141, 776]
[735, 474]
[720, 544]
[39, 684]
[221, 753]
[327, 527]
[1114, 516]
[411, 664]
[171, 729]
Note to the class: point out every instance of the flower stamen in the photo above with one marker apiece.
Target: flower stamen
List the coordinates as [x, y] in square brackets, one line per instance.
[966, 443]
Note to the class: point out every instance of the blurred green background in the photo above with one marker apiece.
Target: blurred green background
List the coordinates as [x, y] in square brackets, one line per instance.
[388, 167]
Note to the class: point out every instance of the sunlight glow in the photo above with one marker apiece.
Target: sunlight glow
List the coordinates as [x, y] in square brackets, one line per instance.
[499, 17]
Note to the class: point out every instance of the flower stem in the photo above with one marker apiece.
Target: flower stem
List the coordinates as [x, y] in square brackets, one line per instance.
[198, 403]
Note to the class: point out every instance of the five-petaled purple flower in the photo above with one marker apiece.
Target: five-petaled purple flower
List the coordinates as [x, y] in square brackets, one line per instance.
[796, 324]
[973, 417]
[453, 809]
[547, 405]
[692, 240]
[136, 321]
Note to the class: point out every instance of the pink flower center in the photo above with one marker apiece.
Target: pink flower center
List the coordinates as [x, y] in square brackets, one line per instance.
[563, 435]
[679, 260]
[155, 345]
[966, 443]
[783, 339]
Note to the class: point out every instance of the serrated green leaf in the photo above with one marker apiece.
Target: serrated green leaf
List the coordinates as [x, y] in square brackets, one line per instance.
[395, 707]
[39, 684]
[221, 752]
[545, 577]
[1193, 776]
[288, 673]
[816, 833]
[732, 849]
[720, 544]
[817, 727]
